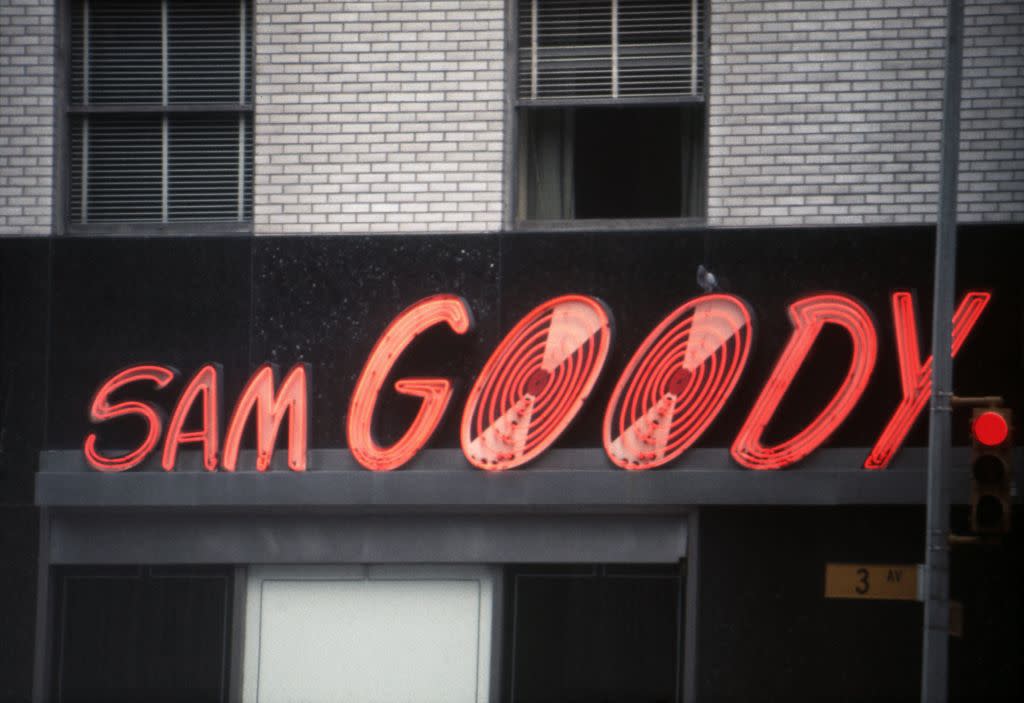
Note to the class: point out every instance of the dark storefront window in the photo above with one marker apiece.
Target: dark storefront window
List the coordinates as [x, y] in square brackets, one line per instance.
[610, 97]
[142, 634]
[159, 112]
[593, 633]
[574, 632]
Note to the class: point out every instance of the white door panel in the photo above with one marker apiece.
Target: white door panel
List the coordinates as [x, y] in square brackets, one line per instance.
[367, 634]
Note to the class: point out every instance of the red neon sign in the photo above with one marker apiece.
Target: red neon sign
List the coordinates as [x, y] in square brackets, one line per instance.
[677, 382]
[102, 410]
[809, 315]
[270, 408]
[434, 392]
[206, 384]
[915, 376]
[535, 382]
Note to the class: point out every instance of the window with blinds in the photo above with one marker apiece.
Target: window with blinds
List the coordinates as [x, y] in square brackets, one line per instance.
[610, 109]
[574, 50]
[160, 111]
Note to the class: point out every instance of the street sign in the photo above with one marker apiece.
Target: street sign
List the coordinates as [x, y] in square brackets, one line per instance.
[872, 581]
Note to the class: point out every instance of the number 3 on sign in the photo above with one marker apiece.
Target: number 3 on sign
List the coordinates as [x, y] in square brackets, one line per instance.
[863, 585]
[862, 581]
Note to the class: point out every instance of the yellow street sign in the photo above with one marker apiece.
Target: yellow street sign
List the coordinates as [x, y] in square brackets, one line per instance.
[878, 581]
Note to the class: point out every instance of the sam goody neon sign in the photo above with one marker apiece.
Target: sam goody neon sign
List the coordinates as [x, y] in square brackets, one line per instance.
[538, 379]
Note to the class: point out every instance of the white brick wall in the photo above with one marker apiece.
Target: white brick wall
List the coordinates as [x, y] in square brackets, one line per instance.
[26, 116]
[992, 122]
[376, 116]
[379, 116]
[828, 111]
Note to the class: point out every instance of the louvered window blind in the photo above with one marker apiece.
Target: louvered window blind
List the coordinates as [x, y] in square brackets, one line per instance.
[160, 111]
[624, 50]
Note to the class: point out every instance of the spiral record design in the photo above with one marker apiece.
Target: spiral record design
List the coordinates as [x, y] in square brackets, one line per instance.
[535, 382]
[677, 381]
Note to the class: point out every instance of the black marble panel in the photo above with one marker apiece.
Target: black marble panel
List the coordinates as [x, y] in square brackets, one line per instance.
[19, 549]
[24, 300]
[985, 663]
[766, 632]
[326, 301]
[119, 302]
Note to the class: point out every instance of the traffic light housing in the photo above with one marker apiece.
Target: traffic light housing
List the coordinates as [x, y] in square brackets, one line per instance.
[991, 470]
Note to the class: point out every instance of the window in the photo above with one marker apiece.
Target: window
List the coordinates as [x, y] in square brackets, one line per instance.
[160, 111]
[124, 634]
[610, 108]
[594, 632]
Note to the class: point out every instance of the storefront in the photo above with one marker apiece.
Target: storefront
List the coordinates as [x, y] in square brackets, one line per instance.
[572, 518]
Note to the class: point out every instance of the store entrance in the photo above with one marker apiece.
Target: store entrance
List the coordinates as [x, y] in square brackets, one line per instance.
[516, 633]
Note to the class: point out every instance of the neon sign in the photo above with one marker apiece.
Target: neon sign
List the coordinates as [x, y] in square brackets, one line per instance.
[915, 376]
[270, 408]
[435, 392]
[102, 410]
[677, 381]
[539, 378]
[809, 316]
[206, 383]
[535, 382]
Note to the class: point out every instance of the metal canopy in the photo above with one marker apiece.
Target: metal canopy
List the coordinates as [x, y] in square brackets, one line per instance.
[441, 480]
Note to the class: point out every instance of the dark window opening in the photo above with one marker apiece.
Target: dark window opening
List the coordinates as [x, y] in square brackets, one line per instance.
[613, 162]
[610, 99]
[591, 633]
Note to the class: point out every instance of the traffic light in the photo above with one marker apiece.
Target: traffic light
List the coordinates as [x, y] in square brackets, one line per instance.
[991, 470]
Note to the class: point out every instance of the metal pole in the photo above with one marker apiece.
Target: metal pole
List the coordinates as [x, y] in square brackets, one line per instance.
[935, 646]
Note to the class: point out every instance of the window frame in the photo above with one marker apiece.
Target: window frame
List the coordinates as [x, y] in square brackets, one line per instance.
[513, 218]
[64, 112]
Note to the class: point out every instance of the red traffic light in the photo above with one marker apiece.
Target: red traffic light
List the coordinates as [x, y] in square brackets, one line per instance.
[991, 464]
[990, 428]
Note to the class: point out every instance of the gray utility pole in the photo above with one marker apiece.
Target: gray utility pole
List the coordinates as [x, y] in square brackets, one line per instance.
[935, 654]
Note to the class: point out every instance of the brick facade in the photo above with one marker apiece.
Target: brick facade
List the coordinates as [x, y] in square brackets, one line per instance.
[379, 116]
[26, 116]
[992, 122]
[828, 112]
[375, 116]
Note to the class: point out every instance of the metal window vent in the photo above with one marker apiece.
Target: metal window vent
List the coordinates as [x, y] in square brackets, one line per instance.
[161, 117]
[600, 49]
